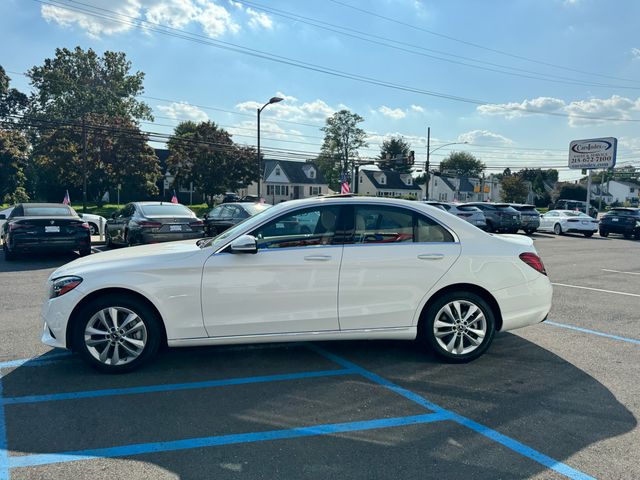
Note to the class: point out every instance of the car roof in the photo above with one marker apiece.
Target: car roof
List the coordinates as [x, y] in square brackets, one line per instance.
[627, 209]
[522, 205]
[156, 203]
[40, 205]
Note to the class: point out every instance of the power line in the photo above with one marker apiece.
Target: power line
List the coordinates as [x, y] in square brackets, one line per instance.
[165, 30]
[476, 45]
[398, 45]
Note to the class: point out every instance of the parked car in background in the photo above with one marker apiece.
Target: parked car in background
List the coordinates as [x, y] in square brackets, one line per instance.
[500, 217]
[250, 198]
[230, 197]
[387, 268]
[227, 215]
[4, 214]
[152, 222]
[471, 214]
[568, 221]
[97, 224]
[44, 227]
[529, 217]
[564, 204]
[621, 220]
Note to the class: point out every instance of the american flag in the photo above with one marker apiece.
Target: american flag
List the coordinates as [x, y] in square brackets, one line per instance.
[174, 199]
[67, 199]
[344, 182]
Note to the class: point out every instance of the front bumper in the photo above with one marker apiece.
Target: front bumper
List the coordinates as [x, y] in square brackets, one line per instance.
[55, 315]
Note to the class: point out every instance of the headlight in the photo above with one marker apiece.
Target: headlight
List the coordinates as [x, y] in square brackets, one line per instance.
[62, 285]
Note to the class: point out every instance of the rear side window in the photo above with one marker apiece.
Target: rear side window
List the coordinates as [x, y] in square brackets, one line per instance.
[379, 225]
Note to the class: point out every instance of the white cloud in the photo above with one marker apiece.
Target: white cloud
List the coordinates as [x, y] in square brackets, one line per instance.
[291, 109]
[259, 19]
[94, 26]
[214, 19]
[183, 111]
[635, 52]
[484, 136]
[417, 108]
[395, 113]
[514, 109]
[614, 107]
[286, 98]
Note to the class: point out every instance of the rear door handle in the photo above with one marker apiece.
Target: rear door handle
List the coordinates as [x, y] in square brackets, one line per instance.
[431, 256]
[317, 258]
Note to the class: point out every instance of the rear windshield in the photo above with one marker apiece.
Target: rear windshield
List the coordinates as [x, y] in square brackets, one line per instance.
[166, 209]
[625, 213]
[574, 213]
[505, 208]
[526, 208]
[256, 208]
[56, 211]
[468, 208]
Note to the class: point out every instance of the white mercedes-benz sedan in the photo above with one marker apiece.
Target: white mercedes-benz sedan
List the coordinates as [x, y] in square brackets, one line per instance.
[332, 268]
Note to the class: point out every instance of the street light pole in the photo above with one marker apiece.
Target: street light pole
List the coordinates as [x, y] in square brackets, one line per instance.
[259, 161]
[429, 152]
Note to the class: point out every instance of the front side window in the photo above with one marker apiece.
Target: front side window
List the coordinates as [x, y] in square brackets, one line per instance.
[303, 228]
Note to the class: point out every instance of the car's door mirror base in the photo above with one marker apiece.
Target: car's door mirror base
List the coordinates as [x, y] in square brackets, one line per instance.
[244, 244]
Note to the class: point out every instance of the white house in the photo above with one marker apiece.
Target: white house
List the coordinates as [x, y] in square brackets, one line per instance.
[288, 180]
[623, 192]
[387, 183]
[464, 189]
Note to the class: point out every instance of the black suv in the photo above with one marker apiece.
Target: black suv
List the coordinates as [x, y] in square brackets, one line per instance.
[501, 217]
[625, 221]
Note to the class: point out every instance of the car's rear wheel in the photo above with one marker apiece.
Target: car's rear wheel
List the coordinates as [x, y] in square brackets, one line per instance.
[588, 234]
[627, 235]
[107, 240]
[557, 229]
[604, 234]
[8, 254]
[93, 228]
[85, 251]
[459, 326]
[529, 231]
[117, 334]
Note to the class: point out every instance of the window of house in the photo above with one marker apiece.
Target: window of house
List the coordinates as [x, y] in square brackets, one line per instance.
[278, 171]
[409, 181]
[303, 228]
[315, 191]
[360, 178]
[269, 189]
[383, 180]
[312, 173]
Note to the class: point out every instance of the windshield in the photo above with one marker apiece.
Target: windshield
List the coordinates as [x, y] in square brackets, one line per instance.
[166, 209]
[60, 211]
[248, 222]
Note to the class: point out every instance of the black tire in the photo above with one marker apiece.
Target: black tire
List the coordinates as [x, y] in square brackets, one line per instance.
[636, 235]
[490, 228]
[627, 236]
[8, 255]
[146, 314]
[604, 234]
[107, 240]
[588, 234]
[513, 230]
[93, 229]
[428, 336]
[85, 252]
[557, 229]
[529, 231]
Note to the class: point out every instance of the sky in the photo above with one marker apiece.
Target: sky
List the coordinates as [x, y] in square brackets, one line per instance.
[515, 79]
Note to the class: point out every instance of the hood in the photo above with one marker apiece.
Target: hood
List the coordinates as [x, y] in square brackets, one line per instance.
[130, 258]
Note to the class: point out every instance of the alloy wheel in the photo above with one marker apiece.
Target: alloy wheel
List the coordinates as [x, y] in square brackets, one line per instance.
[115, 336]
[460, 327]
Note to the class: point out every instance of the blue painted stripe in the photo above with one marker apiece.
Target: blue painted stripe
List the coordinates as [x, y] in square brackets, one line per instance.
[46, 359]
[4, 453]
[593, 332]
[171, 387]
[145, 448]
[446, 414]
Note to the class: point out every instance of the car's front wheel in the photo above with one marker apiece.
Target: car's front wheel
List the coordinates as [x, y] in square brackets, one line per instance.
[459, 326]
[604, 234]
[557, 229]
[588, 234]
[117, 334]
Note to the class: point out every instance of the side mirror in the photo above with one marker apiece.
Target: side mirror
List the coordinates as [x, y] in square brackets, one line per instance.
[244, 244]
[3, 216]
[113, 215]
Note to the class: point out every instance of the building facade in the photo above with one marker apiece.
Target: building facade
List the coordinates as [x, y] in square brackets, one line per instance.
[387, 183]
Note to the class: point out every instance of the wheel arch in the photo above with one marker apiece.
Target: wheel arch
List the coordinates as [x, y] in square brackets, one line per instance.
[464, 287]
[73, 318]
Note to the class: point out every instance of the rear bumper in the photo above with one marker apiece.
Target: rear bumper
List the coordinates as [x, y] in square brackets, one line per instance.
[526, 304]
[150, 237]
[43, 243]
[621, 229]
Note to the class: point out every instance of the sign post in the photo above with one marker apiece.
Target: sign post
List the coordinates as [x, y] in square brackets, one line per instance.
[590, 154]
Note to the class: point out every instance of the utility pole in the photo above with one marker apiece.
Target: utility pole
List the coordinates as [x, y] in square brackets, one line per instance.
[259, 159]
[84, 164]
[426, 168]
[589, 193]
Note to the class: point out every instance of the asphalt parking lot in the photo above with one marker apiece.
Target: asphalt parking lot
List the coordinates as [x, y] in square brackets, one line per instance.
[556, 400]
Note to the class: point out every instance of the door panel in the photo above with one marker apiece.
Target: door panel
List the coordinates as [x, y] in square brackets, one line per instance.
[290, 285]
[390, 267]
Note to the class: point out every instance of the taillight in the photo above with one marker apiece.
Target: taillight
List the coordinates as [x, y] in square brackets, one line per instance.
[197, 223]
[19, 226]
[147, 224]
[534, 261]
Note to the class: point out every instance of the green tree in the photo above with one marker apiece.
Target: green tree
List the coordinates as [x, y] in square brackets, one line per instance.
[571, 191]
[514, 189]
[342, 139]
[12, 102]
[462, 164]
[395, 147]
[206, 155]
[14, 150]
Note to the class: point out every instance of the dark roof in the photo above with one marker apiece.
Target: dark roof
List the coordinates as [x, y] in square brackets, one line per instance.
[465, 185]
[394, 182]
[294, 172]
[447, 182]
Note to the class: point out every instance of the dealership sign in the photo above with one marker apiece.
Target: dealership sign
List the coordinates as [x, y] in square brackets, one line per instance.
[593, 153]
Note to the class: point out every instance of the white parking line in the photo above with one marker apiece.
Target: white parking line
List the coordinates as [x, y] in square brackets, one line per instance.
[619, 271]
[596, 289]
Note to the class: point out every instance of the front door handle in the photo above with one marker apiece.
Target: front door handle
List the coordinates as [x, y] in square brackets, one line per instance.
[431, 256]
[317, 258]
